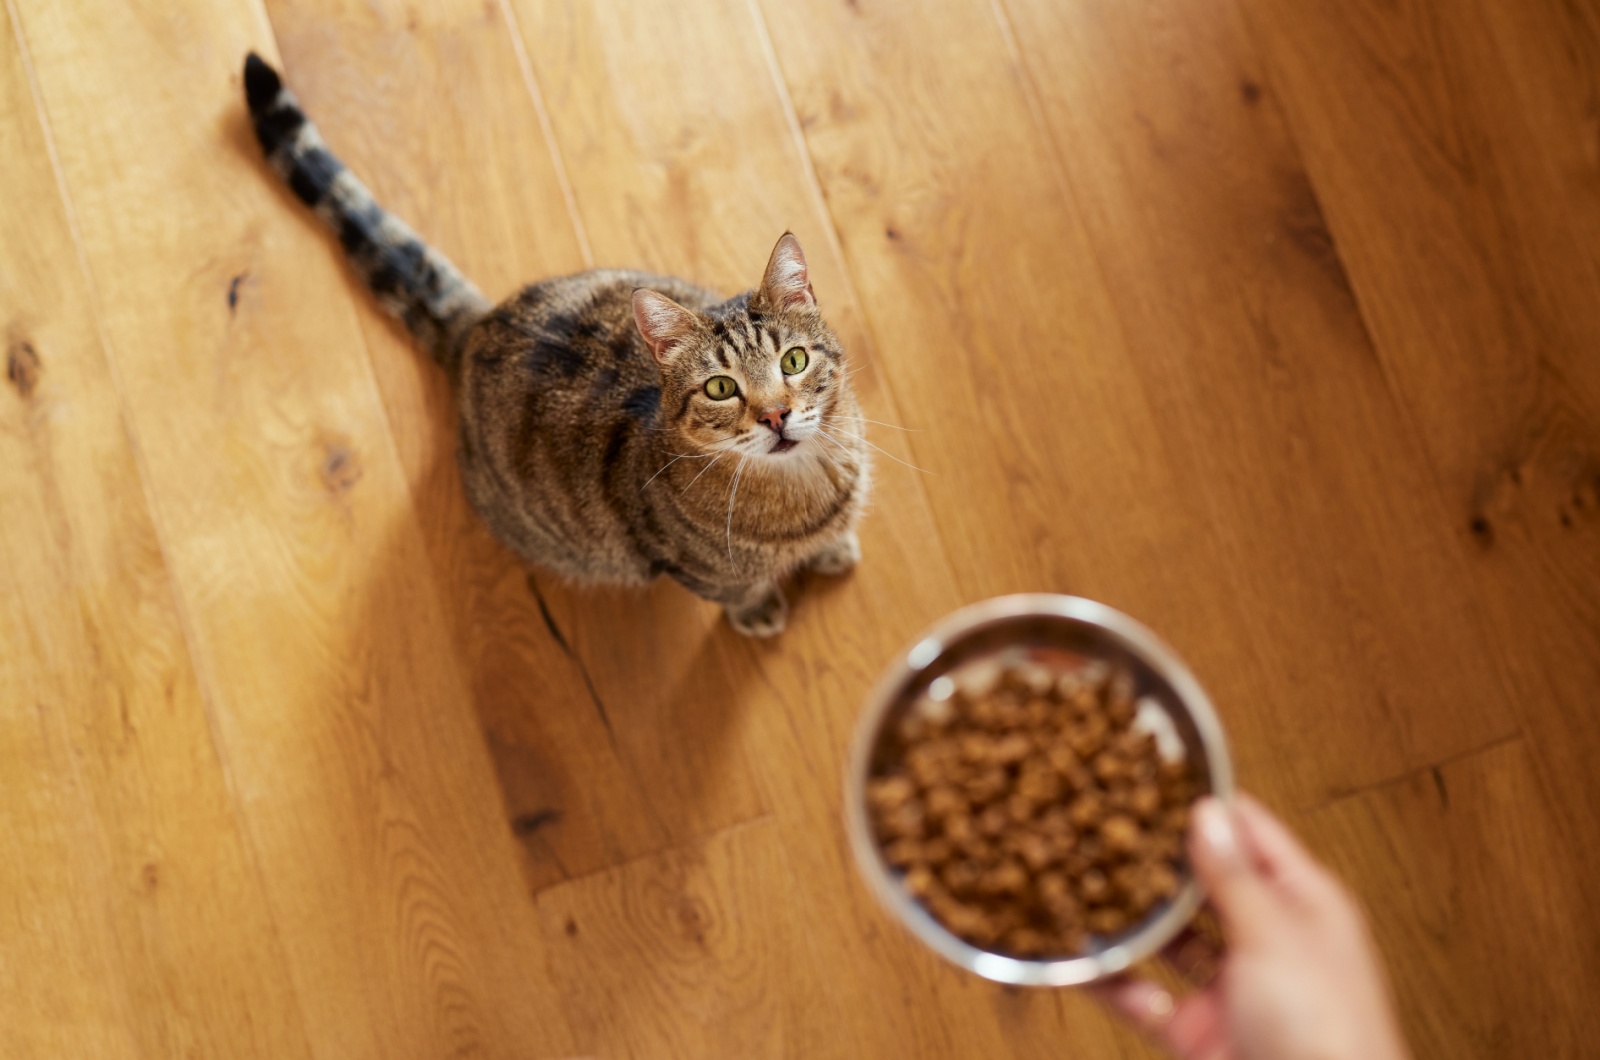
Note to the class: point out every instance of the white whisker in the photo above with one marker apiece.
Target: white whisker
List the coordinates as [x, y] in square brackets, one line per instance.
[669, 463]
[885, 452]
[826, 455]
[733, 492]
[703, 471]
[892, 426]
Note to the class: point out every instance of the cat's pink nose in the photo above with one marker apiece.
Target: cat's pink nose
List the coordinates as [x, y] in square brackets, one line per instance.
[774, 418]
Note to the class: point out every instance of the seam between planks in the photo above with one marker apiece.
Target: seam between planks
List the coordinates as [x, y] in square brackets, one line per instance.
[530, 82]
[672, 849]
[819, 198]
[1340, 795]
[1077, 216]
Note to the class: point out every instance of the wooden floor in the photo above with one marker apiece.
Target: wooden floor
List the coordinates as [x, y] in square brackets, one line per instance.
[1274, 324]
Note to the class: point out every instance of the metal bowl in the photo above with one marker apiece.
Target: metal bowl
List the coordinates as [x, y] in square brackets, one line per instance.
[1090, 629]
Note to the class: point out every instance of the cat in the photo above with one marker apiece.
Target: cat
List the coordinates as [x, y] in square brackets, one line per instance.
[616, 426]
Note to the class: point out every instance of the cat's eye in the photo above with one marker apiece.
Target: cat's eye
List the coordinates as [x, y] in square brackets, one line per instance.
[721, 387]
[794, 360]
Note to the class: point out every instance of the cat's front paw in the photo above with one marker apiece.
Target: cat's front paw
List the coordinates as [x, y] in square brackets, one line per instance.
[765, 617]
[840, 557]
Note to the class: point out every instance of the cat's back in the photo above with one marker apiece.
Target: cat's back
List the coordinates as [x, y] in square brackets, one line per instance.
[557, 390]
[562, 329]
[563, 356]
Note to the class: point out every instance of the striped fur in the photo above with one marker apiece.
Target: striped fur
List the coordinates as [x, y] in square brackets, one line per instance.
[410, 279]
[590, 441]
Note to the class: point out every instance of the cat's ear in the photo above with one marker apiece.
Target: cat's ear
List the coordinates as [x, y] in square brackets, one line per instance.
[665, 325]
[787, 283]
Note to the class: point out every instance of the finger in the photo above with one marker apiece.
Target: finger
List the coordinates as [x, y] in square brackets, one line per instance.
[1268, 838]
[1199, 1028]
[1277, 852]
[1142, 1003]
[1193, 1028]
[1230, 876]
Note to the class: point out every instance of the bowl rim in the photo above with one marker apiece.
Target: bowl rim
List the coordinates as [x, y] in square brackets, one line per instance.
[904, 669]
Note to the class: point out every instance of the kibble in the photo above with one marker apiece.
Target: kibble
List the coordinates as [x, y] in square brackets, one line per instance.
[1027, 811]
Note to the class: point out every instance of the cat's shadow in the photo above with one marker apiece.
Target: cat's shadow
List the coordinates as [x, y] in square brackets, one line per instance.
[612, 715]
[671, 677]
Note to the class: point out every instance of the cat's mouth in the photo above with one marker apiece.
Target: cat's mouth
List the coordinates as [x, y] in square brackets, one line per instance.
[783, 445]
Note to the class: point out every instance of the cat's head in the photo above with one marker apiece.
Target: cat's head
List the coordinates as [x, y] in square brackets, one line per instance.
[760, 375]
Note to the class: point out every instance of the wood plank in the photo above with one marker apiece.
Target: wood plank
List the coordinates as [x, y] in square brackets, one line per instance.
[1297, 320]
[1550, 51]
[1451, 171]
[320, 643]
[430, 106]
[1467, 875]
[133, 917]
[1252, 350]
[1423, 150]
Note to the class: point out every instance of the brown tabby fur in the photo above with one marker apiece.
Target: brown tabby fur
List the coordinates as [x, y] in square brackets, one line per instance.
[589, 443]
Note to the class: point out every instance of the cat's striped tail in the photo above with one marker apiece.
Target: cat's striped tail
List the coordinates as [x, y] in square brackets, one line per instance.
[412, 281]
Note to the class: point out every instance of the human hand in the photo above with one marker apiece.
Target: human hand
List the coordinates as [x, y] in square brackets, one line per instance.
[1301, 979]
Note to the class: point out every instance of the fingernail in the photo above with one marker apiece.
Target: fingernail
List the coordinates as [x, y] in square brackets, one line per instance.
[1216, 831]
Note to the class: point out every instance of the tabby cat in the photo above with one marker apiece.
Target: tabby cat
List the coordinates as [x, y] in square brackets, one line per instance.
[616, 425]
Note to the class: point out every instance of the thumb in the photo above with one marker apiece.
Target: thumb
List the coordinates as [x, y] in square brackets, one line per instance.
[1241, 895]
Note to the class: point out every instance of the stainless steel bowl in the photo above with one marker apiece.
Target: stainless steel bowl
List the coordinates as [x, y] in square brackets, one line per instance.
[1093, 630]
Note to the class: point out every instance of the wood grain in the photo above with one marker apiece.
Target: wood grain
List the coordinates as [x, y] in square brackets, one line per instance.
[702, 921]
[1492, 346]
[133, 914]
[1263, 379]
[316, 631]
[1273, 324]
[1550, 54]
[1465, 871]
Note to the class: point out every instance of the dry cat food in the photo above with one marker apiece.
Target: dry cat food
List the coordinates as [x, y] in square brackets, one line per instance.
[1031, 802]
